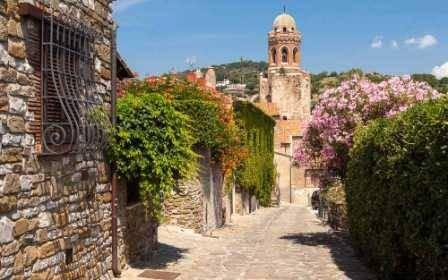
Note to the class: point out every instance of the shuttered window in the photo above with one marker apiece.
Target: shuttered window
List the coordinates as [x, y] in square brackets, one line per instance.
[62, 56]
[33, 46]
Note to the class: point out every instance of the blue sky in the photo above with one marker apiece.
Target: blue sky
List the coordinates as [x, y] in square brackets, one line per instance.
[388, 36]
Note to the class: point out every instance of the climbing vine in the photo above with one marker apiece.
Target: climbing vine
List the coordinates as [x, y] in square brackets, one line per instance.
[160, 121]
[210, 117]
[152, 144]
[256, 172]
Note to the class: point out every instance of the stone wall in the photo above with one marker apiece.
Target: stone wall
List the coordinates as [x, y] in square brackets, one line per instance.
[199, 204]
[136, 230]
[291, 92]
[55, 211]
[185, 207]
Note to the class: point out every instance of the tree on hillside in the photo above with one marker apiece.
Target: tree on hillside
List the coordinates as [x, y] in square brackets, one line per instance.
[440, 85]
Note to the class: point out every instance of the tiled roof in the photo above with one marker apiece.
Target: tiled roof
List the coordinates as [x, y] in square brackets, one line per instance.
[270, 109]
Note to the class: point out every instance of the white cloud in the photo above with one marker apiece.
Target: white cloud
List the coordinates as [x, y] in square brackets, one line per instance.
[395, 44]
[122, 5]
[377, 42]
[410, 41]
[440, 71]
[422, 42]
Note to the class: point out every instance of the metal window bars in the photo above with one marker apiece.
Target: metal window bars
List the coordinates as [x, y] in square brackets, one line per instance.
[69, 90]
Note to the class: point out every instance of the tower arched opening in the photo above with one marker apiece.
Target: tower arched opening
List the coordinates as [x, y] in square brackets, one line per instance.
[295, 55]
[285, 55]
[274, 55]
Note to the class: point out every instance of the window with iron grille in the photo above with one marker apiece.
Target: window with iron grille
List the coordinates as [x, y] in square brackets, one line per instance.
[63, 56]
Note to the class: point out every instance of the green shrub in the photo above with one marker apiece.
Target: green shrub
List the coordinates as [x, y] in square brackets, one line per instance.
[397, 193]
[257, 172]
[152, 145]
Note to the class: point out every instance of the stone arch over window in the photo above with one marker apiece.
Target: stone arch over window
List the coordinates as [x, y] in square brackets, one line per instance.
[285, 55]
[295, 55]
[273, 55]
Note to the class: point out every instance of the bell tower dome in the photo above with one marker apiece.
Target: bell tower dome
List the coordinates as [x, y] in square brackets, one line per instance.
[284, 43]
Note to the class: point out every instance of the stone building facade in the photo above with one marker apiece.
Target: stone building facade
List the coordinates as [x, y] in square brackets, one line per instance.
[55, 190]
[285, 94]
[200, 204]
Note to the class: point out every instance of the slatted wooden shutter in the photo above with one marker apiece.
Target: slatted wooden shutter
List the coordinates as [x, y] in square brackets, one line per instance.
[65, 92]
[33, 47]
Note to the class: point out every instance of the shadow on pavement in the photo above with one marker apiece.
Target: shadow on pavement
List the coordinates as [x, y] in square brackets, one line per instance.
[341, 251]
[164, 255]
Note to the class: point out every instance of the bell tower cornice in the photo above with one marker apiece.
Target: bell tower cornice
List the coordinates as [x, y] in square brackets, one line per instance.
[284, 42]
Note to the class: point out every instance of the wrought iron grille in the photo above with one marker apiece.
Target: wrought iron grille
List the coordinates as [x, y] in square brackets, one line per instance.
[69, 90]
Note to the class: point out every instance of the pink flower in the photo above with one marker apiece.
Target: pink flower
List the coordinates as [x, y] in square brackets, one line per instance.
[355, 102]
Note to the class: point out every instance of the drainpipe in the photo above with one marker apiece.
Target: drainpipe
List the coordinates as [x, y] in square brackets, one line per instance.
[116, 269]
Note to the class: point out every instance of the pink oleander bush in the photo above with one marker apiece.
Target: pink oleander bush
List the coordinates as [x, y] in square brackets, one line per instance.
[329, 136]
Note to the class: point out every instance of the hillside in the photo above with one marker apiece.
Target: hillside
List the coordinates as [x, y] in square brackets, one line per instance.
[245, 71]
[248, 71]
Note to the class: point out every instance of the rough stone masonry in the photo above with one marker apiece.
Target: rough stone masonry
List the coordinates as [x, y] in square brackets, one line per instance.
[55, 211]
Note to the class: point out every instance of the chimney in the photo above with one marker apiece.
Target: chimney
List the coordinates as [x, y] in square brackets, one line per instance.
[198, 74]
[210, 78]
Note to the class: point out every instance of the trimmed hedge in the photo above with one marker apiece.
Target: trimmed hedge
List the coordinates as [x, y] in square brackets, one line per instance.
[257, 172]
[397, 193]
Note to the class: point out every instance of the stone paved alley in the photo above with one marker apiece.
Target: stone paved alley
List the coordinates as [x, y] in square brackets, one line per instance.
[273, 243]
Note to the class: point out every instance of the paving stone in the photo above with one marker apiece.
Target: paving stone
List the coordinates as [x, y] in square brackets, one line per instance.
[273, 243]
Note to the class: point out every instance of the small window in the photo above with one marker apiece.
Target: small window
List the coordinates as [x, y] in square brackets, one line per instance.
[68, 256]
[274, 55]
[132, 193]
[285, 29]
[285, 118]
[285, 55]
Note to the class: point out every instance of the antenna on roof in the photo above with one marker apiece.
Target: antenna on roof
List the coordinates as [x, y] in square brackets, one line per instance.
[191, 62]
[284, 9]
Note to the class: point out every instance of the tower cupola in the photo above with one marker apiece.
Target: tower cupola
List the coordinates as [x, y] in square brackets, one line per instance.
[284, 43]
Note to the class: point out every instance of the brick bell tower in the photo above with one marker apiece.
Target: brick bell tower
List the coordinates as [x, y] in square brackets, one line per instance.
[285, 94]
[284, 43]
[286, 84]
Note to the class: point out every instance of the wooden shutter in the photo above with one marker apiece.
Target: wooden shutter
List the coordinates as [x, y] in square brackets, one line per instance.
[33, 47]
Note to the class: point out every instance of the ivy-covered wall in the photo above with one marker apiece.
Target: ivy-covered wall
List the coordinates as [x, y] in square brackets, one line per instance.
[256, 173]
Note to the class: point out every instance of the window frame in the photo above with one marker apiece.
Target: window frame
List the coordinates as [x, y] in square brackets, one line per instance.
[67, 65]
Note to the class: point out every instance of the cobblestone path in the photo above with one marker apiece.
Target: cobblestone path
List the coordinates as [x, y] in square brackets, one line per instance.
[274, 243]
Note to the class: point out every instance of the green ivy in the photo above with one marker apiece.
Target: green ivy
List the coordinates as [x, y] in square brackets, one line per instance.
[152, 145]
[257, 172]
[397, 193]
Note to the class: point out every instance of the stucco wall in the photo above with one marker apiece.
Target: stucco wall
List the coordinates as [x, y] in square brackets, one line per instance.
[283, 164]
